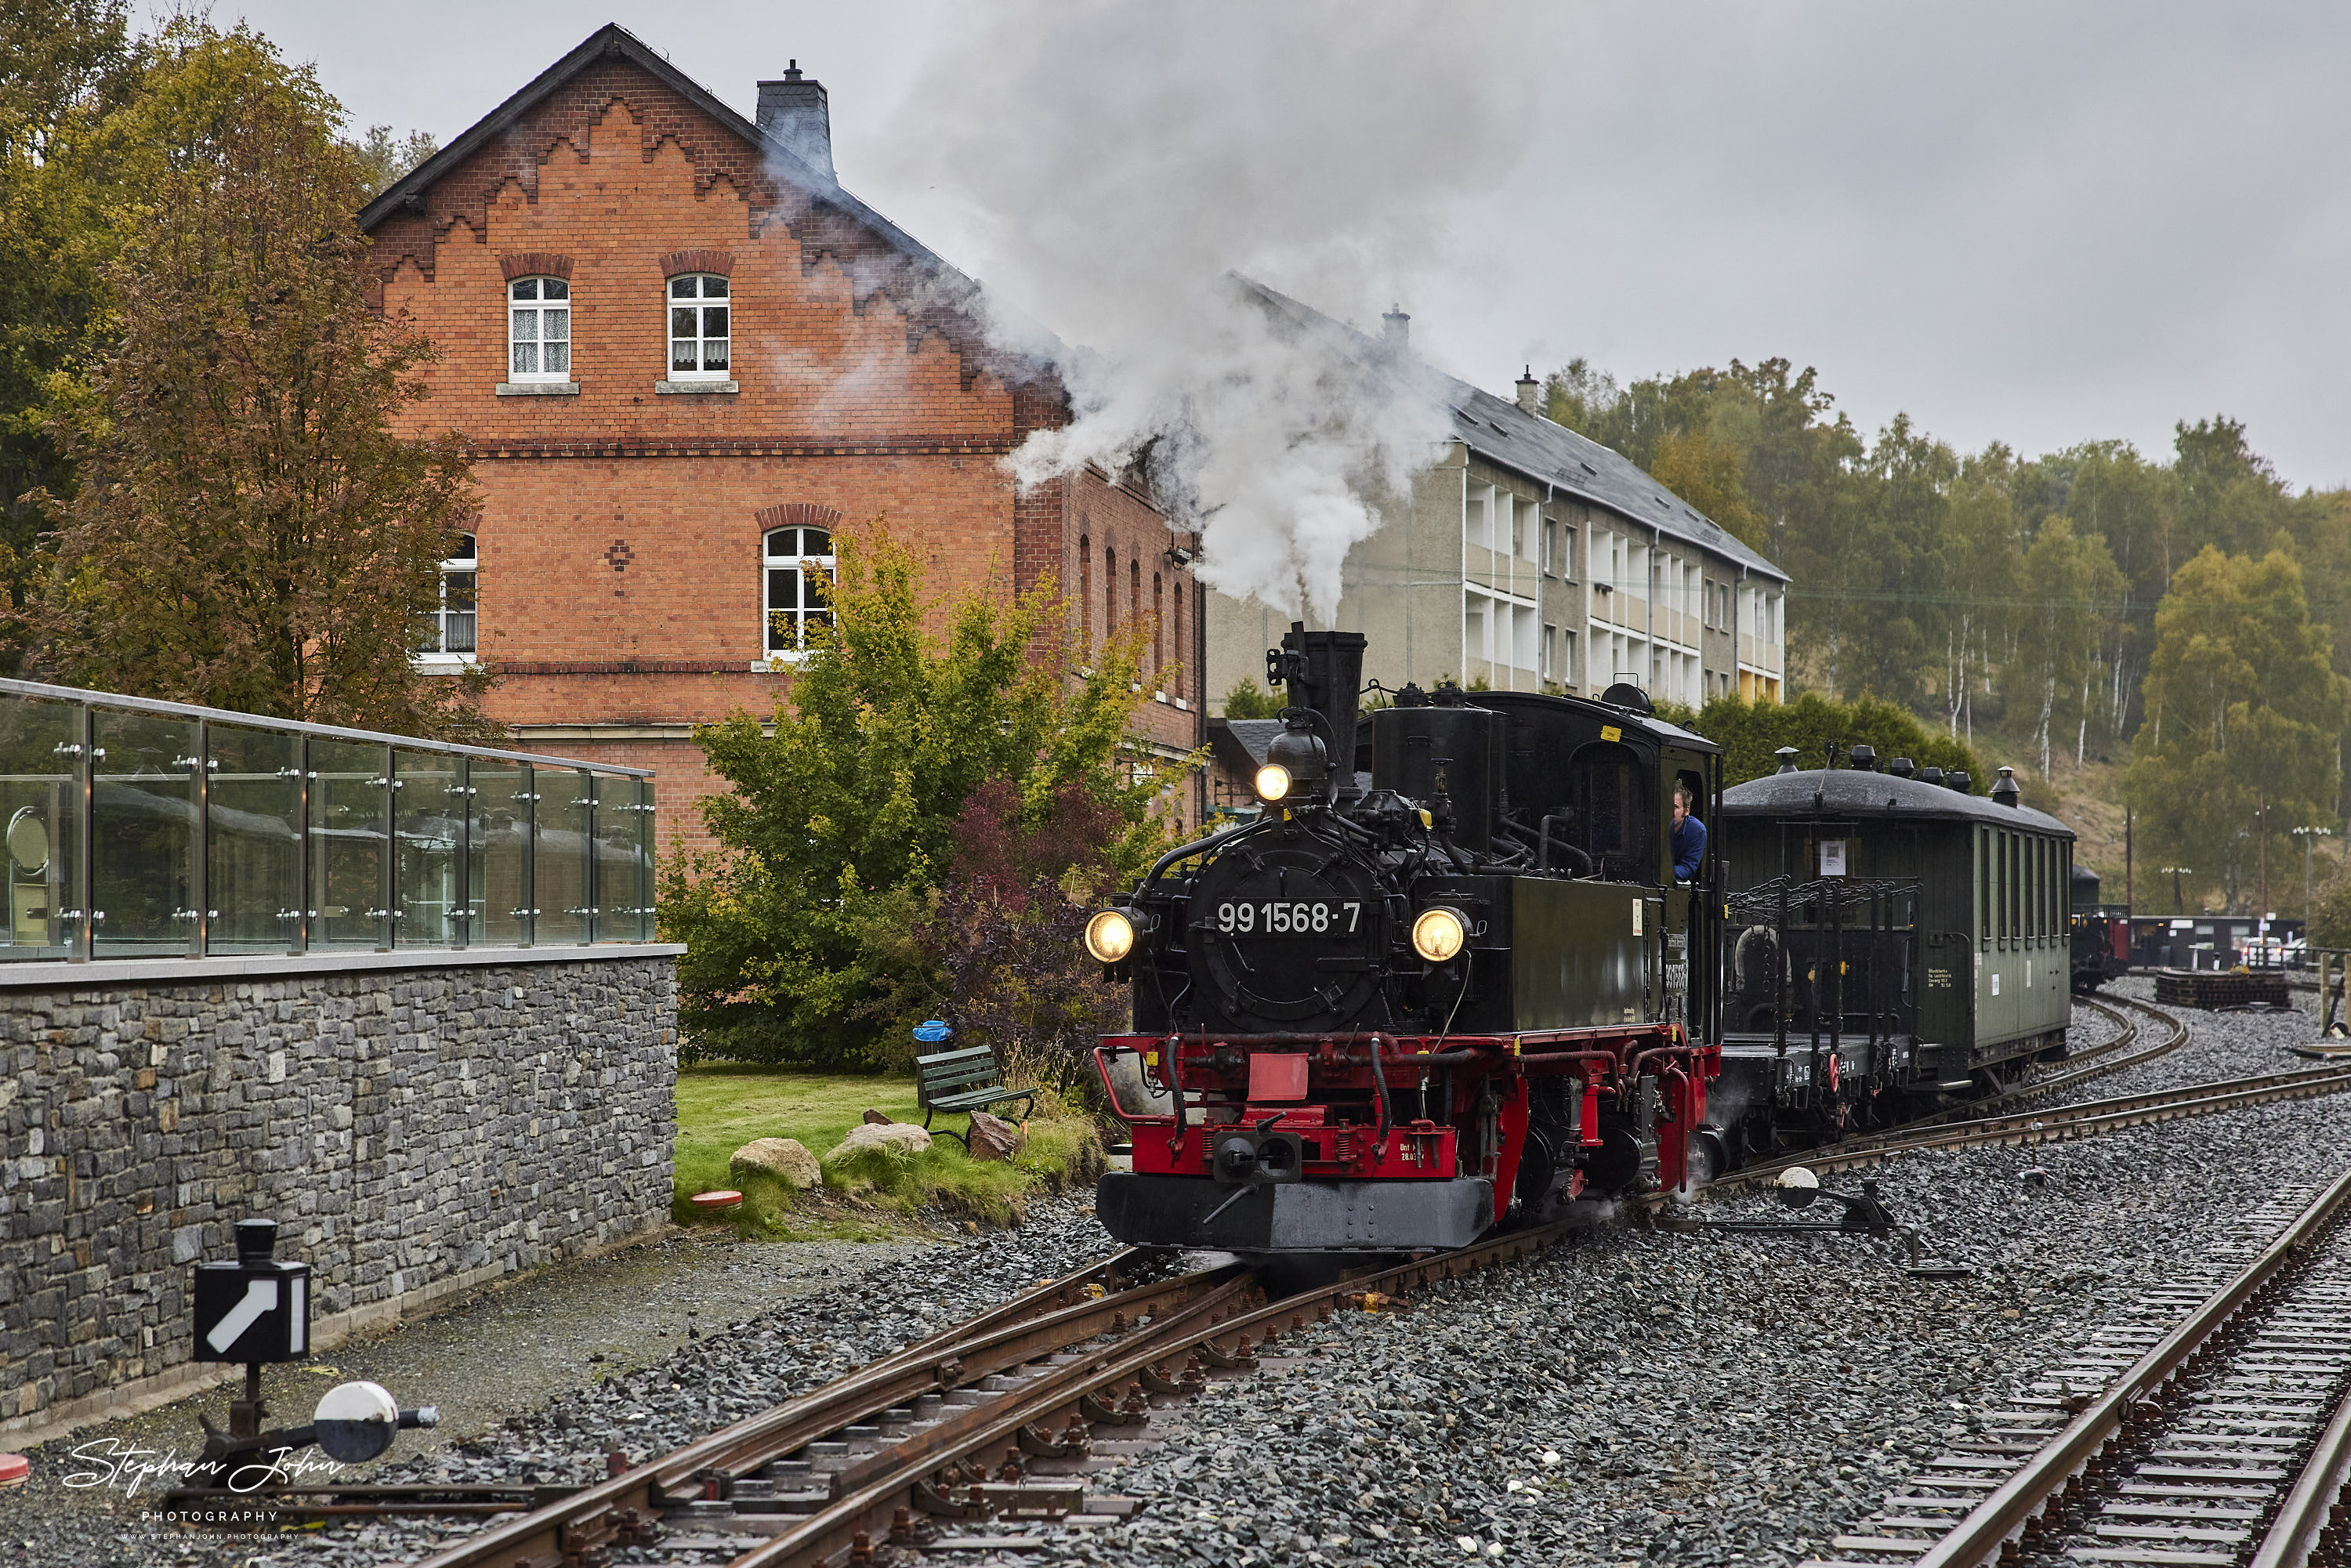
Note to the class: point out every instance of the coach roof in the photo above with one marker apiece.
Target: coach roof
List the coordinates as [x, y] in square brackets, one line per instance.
[1851, 792]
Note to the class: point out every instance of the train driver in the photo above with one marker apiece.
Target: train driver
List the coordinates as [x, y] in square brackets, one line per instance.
[1689, 835]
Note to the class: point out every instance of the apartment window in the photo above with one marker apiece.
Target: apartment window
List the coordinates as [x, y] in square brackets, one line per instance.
[538, 330]
[1551, 549]
[452, 628]
[792, 559]
[1551, 653]
[698, 326]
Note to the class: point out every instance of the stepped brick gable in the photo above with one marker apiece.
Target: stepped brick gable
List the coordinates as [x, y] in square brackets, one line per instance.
[838, 382]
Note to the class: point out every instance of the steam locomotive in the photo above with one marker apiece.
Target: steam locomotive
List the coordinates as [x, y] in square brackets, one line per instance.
[1449, 975]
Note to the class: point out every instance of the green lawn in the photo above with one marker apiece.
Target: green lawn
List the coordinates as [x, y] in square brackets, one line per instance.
[721, 1106]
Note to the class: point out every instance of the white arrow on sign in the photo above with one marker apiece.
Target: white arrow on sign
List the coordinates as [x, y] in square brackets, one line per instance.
[260, 1296]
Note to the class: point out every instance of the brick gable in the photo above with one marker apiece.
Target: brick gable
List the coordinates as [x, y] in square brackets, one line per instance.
[620, 578]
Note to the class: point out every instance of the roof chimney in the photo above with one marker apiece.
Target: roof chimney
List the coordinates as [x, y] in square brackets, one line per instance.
[794, 111]
[1528, 390]
[1396, 329]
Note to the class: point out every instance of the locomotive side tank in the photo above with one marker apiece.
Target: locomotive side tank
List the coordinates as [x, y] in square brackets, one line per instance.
[1895, 941]
[1446, 975]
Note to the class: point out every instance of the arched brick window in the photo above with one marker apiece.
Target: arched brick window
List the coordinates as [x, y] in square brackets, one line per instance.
[795, 552]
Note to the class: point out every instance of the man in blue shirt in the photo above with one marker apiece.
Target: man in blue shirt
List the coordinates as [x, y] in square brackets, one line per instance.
[1689, 837]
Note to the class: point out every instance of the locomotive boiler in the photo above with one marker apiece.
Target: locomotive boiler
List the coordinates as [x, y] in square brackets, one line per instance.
[1446, 975]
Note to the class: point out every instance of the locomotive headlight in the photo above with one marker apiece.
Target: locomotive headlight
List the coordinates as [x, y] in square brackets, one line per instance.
[1438, 934]
[1273, 782]
[1110, 935]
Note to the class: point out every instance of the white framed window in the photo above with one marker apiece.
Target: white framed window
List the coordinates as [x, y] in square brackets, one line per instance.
[451, 631]
[538, 330]
[698, 327]
[791, 559]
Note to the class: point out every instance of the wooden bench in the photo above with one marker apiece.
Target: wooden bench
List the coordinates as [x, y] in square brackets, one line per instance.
[964, 1081]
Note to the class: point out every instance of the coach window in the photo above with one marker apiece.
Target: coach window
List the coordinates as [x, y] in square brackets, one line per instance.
[793, 561]
[538, 330]
[698, 334]
[1983, 889]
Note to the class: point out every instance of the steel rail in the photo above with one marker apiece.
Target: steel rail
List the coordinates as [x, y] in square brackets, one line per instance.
[887, 1482]
[2293, 1539]
[1031, 1323]
[2073, 1121]
[2019, 1498]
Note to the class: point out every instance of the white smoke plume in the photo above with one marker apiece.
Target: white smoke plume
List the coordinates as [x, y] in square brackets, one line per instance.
[1115, 170]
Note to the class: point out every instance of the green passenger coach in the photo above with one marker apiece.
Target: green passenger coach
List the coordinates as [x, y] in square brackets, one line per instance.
[1892, 942]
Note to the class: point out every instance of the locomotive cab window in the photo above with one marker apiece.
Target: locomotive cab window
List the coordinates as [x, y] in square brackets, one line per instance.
[1610, 789]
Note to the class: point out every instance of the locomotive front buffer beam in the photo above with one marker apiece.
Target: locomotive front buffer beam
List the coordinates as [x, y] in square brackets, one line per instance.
[1384, 1143]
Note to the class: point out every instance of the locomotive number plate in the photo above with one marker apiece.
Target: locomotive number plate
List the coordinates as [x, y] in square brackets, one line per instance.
[1279, 917]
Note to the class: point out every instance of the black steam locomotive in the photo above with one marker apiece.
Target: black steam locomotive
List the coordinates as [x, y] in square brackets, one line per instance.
[1449, 972]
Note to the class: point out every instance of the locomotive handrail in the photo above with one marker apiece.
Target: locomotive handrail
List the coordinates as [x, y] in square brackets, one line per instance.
[1182, 853]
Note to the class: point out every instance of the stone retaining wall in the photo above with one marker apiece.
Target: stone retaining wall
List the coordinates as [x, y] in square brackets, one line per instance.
[410, 1129]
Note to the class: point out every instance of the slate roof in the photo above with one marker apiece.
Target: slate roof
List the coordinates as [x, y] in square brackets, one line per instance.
[1502, 432]
[1850, 792]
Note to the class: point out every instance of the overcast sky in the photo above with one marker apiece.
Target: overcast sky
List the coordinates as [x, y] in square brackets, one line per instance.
[2037, 222]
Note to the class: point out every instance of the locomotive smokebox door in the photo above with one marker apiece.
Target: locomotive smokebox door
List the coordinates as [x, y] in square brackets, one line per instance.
[255, 1309]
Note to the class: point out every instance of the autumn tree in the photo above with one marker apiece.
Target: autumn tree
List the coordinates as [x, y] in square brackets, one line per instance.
[2244, 715]
[65, 66]
[804, 927]
[246, 530]
[2070, 592]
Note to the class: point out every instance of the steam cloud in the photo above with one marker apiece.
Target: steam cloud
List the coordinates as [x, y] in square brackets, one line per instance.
[1115, 170]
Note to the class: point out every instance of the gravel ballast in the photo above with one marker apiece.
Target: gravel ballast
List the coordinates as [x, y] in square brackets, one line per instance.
[1707, 1398]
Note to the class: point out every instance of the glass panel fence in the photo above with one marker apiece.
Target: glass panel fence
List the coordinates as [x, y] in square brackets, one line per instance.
[253, 839]
[348, 836]
[617, 872]
[428, 814]
[497, 852]
[162, 831]
[645, 860]
[41, 798]
[146, 785]
[563, 867]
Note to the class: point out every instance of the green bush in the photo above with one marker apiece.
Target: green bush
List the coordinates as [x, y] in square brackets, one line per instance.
[1752, 733]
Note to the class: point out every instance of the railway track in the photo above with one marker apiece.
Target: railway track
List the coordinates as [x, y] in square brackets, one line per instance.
[945, 1444]
[2084, 1119]
[2209, 1427]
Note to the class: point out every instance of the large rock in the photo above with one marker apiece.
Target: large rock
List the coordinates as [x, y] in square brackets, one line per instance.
[994, 1138]
[769, 1171]
[782, 1158]
[875, 1155]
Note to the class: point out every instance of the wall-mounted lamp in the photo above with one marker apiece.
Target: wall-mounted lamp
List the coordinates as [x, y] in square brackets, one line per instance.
[1179, 554]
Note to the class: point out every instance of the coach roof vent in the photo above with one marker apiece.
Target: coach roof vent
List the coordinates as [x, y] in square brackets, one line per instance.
[2004, 791]
[1787, 756]
[795, 113]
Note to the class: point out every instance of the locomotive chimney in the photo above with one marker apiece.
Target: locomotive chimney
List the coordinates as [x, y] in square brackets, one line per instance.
[1329, 682]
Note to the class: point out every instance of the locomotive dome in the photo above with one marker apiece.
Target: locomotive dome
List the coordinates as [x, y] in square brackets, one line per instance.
[1856, 792]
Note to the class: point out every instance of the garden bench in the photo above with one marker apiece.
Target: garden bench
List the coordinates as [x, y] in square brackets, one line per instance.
[966, 1081]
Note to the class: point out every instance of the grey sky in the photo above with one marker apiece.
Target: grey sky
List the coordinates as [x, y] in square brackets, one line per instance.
[2036, 223]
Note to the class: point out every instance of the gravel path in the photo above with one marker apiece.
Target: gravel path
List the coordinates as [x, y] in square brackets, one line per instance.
[539, 1381]
[1706, 1400]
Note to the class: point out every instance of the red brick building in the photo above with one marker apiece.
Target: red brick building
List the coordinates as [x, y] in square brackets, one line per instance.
[683, 359]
